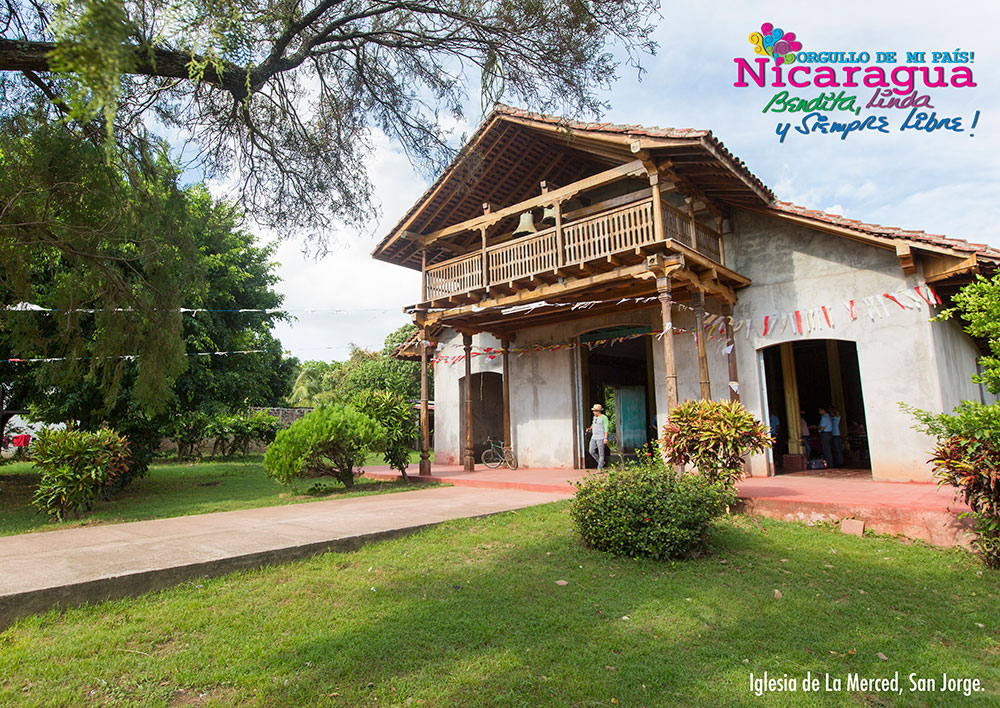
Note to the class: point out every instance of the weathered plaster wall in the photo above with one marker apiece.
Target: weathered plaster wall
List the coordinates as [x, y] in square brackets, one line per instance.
[792, 268]
[956, 356]
[544, 389]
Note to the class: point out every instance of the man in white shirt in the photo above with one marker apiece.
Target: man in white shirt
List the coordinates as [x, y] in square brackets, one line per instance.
[826, 436]
[598, 435]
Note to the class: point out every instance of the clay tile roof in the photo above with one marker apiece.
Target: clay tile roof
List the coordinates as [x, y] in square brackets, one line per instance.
[638, 130]
[893, 232]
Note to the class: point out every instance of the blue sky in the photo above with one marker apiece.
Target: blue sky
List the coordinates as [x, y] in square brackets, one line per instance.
[940, 182]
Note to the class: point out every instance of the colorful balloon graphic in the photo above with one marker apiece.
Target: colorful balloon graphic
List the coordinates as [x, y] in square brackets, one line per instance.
[773, 42]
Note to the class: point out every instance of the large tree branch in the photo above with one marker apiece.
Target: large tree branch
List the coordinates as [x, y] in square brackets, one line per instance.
[21, 55]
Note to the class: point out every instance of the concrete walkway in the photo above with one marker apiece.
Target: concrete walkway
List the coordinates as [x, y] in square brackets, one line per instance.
[93, 564]
[912, 509]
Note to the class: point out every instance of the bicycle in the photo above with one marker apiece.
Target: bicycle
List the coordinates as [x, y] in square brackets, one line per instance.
[495, 455]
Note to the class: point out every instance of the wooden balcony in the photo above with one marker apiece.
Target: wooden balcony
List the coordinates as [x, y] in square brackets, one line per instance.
[585, 241]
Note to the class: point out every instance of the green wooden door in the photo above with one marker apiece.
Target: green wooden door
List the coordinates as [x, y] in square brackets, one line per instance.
[630, 408]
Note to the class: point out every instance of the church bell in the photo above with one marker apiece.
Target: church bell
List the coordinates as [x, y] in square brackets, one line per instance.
[526, 225]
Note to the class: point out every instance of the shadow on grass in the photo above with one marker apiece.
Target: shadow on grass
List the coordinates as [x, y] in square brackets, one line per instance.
[469, 614]
[643, 634]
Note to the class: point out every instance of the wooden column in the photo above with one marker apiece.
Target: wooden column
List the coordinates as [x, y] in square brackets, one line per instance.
[659, 233]
[669, 365]
[792, 408]
[425, 414]
[470, 456]
[484, 280]
[698, 301]
[507, 440]
[727, 312]
[836, 382]
[423, 275]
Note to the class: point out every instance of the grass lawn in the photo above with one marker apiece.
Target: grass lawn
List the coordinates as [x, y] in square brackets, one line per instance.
[171, 489]
[469, 614]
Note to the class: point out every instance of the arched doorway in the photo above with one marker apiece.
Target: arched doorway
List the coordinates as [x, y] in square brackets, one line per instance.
[616, 372]
[802, 377]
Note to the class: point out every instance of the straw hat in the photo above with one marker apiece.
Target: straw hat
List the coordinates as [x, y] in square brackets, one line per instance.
[598, 408]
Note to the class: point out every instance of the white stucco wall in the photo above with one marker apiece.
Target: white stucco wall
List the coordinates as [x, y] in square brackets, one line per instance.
[544, 390]
[902, 357]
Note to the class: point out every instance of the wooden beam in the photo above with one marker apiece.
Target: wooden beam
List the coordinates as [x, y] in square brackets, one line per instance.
[905, 256]
[630, 169]
[938, 268]
[565, 290]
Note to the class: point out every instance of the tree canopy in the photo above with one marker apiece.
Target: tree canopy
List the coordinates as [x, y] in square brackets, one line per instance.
[115, 252]
[284, 93]
[364, 371]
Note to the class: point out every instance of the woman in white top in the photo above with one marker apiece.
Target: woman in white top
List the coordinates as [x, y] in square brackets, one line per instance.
[598, 435]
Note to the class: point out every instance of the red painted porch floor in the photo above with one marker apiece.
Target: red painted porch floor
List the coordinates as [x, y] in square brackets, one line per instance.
[912, 509]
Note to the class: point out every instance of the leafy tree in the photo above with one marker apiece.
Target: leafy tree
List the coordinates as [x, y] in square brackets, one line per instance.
[364, 371]
[978, 304]
[285, 94]
[308, 390]
[396, 416]
[329, 441]
[237, 275]
[79, 232]
[121, 238]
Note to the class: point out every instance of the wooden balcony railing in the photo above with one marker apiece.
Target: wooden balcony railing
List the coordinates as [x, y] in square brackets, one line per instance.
[615, 231]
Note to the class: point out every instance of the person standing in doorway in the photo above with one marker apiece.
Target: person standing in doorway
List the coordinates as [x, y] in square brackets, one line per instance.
[826, 436]
[838, 448]
[598, 435]
[804, 432]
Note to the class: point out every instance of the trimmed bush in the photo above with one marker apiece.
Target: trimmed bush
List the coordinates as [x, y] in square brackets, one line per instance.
[967, 457]
[395, 415]
[234, 433]
[714, 436]
[646, 511]
[77, 466]
[329, 441]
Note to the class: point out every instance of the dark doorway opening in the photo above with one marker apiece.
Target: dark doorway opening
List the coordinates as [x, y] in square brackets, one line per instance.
[487, 410]
[810, 375]
[617, 374]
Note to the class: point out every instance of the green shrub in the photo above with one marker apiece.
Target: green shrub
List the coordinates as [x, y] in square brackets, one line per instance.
[143, 436]
[77, 466]
[188, 430]
[646, 511]
[329, 441]
[967, 457]
[234, 433]
[714, 436]
[395, 415]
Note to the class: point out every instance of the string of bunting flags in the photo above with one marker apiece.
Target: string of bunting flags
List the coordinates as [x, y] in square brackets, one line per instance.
[127, 357]
[802, 321]
[30, 307]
